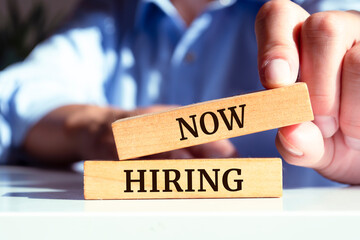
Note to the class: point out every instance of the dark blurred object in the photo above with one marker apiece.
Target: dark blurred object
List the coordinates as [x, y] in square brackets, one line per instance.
[19, 34]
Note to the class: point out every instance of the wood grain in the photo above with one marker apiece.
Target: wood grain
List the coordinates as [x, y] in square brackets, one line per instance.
[195, 178]
[210, 121]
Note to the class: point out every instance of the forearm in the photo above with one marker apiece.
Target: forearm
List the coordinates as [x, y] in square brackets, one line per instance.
[71, 133]
[80, 132]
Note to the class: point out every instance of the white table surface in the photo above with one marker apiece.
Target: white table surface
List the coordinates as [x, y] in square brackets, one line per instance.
[47, 204]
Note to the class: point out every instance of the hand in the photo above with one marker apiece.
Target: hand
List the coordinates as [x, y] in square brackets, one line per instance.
[95, 138]
[78, 132]
[323, 50]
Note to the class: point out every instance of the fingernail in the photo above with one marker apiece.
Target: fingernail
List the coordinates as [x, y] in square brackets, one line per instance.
[327, 125]
[277, 73]
[289, 147]
[353, 143]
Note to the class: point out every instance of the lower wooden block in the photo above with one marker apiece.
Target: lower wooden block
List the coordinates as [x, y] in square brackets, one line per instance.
[185, 178]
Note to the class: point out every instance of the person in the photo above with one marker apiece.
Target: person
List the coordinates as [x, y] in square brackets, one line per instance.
[122, 58]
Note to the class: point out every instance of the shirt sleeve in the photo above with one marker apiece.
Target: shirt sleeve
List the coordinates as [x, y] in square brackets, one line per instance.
[71, 67]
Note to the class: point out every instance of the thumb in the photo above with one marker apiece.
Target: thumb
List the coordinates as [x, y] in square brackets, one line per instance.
[277, 28]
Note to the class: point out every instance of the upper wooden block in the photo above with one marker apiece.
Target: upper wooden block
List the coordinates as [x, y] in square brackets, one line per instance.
[210, 121]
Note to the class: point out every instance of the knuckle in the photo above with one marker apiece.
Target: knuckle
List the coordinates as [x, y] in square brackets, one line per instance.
[352, 60]
[350, 125]
[323, 103]
[323, 25]
[320, 96]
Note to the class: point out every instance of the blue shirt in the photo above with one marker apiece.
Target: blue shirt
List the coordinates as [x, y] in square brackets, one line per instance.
[142, 54]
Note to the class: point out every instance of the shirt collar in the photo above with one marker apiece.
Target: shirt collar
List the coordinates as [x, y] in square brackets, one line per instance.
[168, 8]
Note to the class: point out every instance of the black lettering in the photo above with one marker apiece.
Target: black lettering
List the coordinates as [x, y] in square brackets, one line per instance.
[189, 180]
[193, 131]
[213, 184]
[233, 116]
[174, 181]
[141, 180]
[202, 123]
[154, 181]
[238, 181]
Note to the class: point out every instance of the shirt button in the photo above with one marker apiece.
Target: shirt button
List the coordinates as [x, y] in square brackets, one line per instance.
[189, 57]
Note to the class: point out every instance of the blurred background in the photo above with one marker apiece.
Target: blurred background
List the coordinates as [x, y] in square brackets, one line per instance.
[24, 23]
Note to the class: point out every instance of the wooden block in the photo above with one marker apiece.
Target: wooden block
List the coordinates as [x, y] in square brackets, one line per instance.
[185, 178]
[210, 121]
